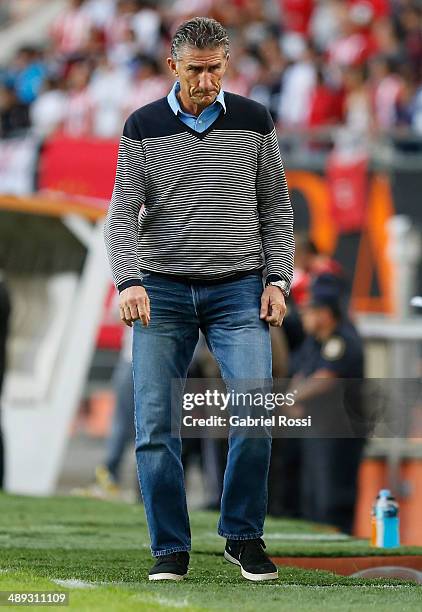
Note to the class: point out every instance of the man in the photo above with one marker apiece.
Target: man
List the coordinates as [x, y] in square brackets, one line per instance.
[332, 351]
[205, 165]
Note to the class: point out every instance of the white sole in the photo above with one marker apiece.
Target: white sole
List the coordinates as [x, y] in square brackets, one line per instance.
[248, 575]
[166, 576]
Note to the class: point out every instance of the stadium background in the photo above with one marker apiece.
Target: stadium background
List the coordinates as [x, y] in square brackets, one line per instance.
[71, 72]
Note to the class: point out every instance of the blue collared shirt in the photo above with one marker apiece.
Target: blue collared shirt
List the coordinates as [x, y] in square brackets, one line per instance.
[205, 119]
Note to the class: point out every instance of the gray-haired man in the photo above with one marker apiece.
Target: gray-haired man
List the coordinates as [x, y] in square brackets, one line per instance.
[206, 166]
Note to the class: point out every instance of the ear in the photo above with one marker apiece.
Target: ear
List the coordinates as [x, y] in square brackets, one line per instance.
[172, 65]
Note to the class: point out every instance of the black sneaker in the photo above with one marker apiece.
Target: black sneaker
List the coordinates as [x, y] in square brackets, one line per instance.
[170, 567]
[254, 562]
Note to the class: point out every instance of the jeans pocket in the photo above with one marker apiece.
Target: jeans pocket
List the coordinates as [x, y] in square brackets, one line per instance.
[251, 282]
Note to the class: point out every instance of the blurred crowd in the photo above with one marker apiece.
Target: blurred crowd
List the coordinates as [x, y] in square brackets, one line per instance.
[13, 11]
[316, 64]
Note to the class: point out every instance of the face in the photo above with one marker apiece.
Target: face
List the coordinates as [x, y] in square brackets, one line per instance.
[315, 319]
[200, 73]
[79, 76]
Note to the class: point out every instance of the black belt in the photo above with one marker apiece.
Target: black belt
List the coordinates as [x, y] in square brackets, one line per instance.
[189, 280]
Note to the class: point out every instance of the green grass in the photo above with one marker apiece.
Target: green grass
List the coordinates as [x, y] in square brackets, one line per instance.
[106, 543]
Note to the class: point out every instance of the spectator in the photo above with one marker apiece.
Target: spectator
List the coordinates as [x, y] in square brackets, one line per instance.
[247, 64]
[272, 58]
[100, 12]
[386, 86]
[405, 104]
[387, 43]
[108, 90]
[356, 43]
[296, 15]
[147, 26]
[358, 124]
[298, 82]
[122, 53]
[149, 84]
[95, 45]
[410, 32]
[408, 117]
[278, 51]
[14, 114]
[121, 22]
[79, 108]
[266, 88]
[325, 105]
[47, 112]
[70, 31]
[325, 26]
[26, 74]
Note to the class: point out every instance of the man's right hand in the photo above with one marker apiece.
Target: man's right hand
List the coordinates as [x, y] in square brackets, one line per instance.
[134, 304]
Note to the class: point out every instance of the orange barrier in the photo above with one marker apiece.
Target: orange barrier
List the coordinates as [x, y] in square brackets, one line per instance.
[52, 205]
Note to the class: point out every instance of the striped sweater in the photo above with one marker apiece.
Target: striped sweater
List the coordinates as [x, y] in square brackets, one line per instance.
[206, 206]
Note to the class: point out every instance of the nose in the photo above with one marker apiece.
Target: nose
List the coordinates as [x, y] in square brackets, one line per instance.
[205, 81]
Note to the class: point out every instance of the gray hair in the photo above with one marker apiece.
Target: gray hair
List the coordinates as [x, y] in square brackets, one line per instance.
[199, 32]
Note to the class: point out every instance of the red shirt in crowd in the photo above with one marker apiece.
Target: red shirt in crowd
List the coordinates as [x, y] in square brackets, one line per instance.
[325, 107]
[352, 50]
[296, 15]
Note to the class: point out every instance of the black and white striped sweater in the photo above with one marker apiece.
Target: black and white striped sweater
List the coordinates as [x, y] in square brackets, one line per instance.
[206, 206]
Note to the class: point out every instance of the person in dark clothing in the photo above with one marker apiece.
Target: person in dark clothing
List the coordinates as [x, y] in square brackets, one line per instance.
[332, 351]
[286, 458]
[14, 114]
[4, 328]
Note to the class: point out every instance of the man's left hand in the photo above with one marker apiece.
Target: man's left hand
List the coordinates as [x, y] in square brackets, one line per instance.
[273, 306]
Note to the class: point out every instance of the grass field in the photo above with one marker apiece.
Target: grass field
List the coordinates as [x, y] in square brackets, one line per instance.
[103, 547]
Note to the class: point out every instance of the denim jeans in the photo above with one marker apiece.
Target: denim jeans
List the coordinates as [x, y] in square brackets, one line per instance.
[228, 315]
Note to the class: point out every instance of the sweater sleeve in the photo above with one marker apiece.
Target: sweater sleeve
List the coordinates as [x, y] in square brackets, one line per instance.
[274, 207]
[121, 224]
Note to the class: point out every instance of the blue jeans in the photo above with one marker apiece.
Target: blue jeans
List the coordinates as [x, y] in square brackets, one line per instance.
[228, 315]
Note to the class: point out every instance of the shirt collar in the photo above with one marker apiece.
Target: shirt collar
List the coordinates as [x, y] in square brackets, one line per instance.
[175, 104]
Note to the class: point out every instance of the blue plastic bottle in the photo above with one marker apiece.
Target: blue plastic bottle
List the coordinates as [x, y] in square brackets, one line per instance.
[385, 521]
